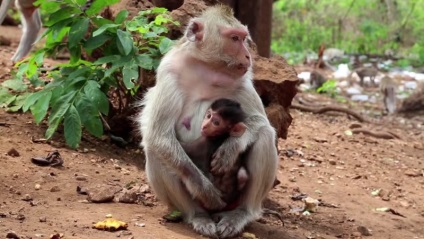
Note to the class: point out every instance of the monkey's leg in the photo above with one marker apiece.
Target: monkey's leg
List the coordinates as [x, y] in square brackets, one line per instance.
[262, 164]
[3, 9]
[169, 189]
[31, 25]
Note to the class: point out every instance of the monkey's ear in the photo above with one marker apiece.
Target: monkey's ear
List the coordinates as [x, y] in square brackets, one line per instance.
[238, 129]
[194, 31]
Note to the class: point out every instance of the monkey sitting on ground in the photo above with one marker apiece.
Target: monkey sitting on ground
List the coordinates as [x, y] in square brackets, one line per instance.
[388, 89]
[222, 120]
[209, 62]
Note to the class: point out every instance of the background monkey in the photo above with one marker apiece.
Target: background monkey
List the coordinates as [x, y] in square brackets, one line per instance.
[363, 72]
[31, 25]
[222, 120]
[209, 62]
[388, 89]
[317, 80]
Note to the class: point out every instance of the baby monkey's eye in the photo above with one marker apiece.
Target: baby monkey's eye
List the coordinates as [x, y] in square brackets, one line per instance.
[216, 123]
[235, 38]
[208, 116]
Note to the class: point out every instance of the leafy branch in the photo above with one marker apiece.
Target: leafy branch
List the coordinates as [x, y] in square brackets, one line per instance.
[105, 61]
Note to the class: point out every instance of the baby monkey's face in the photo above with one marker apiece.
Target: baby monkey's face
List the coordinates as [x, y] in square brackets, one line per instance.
[214, 125]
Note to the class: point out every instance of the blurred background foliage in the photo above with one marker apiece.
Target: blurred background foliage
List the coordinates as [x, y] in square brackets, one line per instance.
[356, 26]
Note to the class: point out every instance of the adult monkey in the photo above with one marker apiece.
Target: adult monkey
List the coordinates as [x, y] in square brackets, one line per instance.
[210, 61]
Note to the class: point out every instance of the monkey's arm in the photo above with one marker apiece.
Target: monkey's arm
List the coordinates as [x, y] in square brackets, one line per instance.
[163, 105]
[227, 154]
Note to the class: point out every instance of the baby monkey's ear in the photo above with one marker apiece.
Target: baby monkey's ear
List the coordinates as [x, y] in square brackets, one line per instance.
[238, 129]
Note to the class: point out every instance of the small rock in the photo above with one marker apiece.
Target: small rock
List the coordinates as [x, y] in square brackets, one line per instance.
[13, 152]
[364, 231]
[413, 173]
[102, 193]
[404, 204]
[138, 224]
[355, 126]
[27, 198]
[39, 235]
[356, 235]
[43, 219]
[2, 215]
[12, 235]
[116, 166]
[332, 162]
[81, 178]
[320, 140]
[20, 217]
[37, 186]
[55, 189]
[128, 195]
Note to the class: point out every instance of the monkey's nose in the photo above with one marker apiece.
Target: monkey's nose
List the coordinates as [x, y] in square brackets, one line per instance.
[248, 57]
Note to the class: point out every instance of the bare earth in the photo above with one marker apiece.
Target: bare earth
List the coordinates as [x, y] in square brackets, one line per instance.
[317, 159]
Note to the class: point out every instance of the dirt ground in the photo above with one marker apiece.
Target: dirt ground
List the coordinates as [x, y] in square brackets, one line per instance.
[318, 159]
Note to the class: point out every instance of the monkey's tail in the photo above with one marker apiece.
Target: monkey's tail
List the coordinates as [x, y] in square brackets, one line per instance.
[3, 10]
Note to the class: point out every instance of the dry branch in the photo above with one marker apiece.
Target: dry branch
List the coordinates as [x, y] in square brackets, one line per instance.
[380, 135]
[329, 108]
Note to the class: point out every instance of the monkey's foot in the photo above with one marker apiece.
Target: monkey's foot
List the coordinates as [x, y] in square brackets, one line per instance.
[204, 225]
[232, 222]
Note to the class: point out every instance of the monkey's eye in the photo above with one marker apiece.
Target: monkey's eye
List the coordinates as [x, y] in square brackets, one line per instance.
[208, 116]
[235, 38]
[216, 123]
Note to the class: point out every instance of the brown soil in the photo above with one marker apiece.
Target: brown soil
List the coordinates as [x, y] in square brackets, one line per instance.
[317, 159]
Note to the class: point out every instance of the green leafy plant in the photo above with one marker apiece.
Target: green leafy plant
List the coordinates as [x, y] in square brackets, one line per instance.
[329, 87]
[105, 61]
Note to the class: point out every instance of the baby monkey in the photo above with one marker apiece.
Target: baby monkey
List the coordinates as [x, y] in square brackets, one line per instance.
[223, 119]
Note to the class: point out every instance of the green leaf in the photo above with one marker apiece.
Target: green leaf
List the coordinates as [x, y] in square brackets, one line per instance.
[124, 42]
[32, 99]
[104, 28]
[99, 5]
[4, 96]
[159, 20]
[75, 54]
[77, 31]
[61, 14]
[165, 44]
[72, 127]
[107, 59]
[145, 61]
[96, 96]
[55, 118]
[16, 85]
[122, 15]
[39, 109]
[96, 42]
[130, 74]
[89, 116]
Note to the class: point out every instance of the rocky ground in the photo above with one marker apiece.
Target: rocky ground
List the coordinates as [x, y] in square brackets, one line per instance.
[367, 187]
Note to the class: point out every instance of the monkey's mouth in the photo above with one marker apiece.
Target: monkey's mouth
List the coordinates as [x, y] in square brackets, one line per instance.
[241, 69]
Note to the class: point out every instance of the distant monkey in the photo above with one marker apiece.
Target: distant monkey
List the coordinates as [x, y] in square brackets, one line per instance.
[388, 89]
[209, 62]
[317, 80]
[363, 72]
[223, 119]
[31, 25]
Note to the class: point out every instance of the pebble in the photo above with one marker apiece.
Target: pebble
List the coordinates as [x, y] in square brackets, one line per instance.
[37, 186]
[55, 189]
[364, 231]
[12, 235]
[27, 198]
[13, 152]
[43, 219]
[81, 178]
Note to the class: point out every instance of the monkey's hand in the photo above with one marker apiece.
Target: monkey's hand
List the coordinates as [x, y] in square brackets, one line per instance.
[205, 192]
[225, 157]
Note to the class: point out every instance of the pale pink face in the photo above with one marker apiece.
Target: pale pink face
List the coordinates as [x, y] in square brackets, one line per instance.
[213, 125]
[235, 46]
